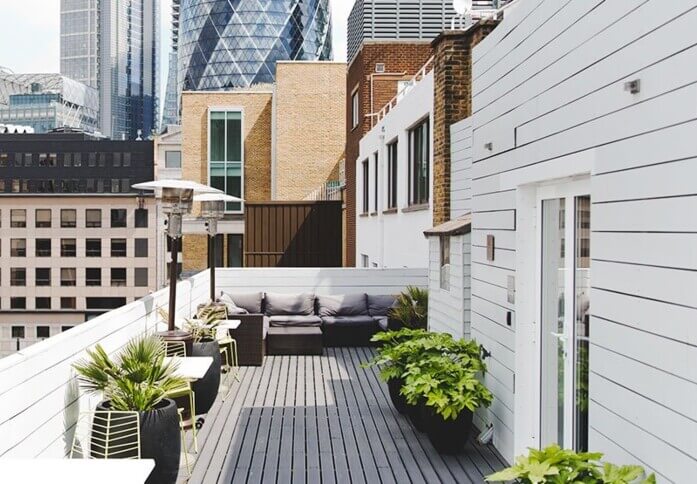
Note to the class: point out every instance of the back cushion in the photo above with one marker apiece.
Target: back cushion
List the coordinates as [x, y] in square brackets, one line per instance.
[291, 304]
[346, 305]
[250, 301]
[380, 305]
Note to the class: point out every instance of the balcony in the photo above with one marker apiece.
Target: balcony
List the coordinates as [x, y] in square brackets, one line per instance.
[300, 418]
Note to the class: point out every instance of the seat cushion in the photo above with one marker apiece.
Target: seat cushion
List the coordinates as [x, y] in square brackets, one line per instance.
[380, 305]
[344, 305]
[249, 301]
[383, 322]
[294, 320]
[290, 304]
[349, 320]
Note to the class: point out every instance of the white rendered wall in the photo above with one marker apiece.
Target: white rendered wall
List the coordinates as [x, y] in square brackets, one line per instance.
[394, 240]
[549, 94]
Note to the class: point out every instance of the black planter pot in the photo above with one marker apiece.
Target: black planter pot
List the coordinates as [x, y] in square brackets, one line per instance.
[206, 389]
[416, 415]
[394, 325]
[159, 440]
[447, 436]
[393, 387]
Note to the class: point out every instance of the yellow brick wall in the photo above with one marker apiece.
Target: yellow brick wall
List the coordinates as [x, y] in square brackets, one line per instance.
[310, 126]
[256, 105]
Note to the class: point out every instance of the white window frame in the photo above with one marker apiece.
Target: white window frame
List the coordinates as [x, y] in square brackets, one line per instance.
[226, 109]
[444, 249]
[355, 109]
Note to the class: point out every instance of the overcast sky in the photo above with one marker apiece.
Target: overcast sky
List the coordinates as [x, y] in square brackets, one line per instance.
[29, 37]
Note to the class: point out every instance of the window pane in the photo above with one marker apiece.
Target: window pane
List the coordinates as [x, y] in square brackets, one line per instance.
[582, 278]
[68, 248]
[173, 159]
[93, 276]
[118, 277]
[141, 247]
[68, 276]
[93, 247]
[118, 247]
[18, 218]
[68, 303]
[43, 218]
[93, 218]
[43, 331]
[141, 217]
[18, 276]
[43, 276]
[234, 185]
[68, 218]
[141, 277]
[118, 217]
[234, 136]
[43, 247]
[18, 331]
[18, 247]
[217, 134]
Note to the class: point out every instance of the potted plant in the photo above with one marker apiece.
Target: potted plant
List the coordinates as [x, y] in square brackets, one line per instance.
[409, 310]
[449, 392]
[554, 465]
[203, 330]
[138, 380]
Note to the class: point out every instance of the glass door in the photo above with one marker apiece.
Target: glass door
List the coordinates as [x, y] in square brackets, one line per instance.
[564, 315]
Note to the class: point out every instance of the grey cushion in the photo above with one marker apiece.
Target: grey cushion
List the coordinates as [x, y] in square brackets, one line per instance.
[380, 305]
[346, 305]
[293, 304]
[383, 322]
[230, 305]
[249, 301]
[294, 320]
[349, 320]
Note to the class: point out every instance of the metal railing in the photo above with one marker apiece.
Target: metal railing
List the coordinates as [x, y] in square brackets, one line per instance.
[330, 190]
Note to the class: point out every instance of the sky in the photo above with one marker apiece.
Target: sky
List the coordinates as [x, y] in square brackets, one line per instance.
[29, 37]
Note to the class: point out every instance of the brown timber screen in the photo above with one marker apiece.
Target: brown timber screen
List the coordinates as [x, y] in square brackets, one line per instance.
[293, 234]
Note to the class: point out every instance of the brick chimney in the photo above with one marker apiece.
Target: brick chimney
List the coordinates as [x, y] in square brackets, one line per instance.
[452, 102]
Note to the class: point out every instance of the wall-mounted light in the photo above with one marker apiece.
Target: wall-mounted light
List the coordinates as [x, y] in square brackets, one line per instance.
[633, 86]
[489, 146]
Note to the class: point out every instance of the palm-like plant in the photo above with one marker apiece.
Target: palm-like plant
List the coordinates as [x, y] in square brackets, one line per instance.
[411, 308]
[137, 379]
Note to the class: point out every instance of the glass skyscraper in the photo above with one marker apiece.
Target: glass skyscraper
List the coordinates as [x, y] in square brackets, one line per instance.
[235, 43]
[113, 46]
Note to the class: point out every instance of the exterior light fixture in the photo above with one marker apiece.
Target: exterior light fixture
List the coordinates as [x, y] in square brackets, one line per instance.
[212, 210]
[176, 197]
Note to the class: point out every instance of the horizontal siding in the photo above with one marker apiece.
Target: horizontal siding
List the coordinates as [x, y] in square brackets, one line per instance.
[549, 95]
[448, 311]
[461, 168]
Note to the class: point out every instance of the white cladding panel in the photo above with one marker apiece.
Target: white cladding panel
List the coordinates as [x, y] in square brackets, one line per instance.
[549, 94]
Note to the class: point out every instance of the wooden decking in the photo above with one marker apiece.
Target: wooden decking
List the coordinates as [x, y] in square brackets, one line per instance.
[323, 419]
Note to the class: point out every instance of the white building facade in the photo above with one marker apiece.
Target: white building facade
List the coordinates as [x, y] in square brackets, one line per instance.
[584, 245]
[394, 174]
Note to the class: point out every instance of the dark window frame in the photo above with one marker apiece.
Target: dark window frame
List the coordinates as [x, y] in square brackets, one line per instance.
[420, 161]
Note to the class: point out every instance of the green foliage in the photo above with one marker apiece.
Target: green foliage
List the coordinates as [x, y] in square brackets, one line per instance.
[200, 329]
[448, 383]
[554, 465]
[411, 308]
[212, 313]
[137, 379]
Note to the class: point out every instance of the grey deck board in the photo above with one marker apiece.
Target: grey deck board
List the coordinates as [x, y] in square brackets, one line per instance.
[323, 419]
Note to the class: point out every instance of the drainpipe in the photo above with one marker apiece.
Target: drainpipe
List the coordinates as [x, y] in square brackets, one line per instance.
[381, 177]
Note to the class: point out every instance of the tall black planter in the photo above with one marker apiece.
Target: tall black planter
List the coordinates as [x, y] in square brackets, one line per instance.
[447, 436]
[416, 415]
[206, 389]
[394, 386]
[159, 440]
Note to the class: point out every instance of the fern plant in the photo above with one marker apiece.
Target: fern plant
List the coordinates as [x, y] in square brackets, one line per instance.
[411, 308]
[554, 465]
[137, 379]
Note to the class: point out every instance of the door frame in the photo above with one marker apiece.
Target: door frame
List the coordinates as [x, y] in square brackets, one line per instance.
[527, 383]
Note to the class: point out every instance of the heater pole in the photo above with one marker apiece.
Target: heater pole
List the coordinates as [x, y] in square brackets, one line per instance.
[173, 282]
[211, 263]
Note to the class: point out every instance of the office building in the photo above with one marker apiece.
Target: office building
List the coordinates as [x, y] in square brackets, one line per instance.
[75, 239]
[113, 46]
[47, 101]
[225, 44]
[170, 113]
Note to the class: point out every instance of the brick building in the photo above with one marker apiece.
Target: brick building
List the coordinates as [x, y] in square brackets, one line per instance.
[278, 141]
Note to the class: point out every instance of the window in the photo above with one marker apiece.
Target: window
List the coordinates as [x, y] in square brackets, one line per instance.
[118, 277]
[3, 160]
[125, 185]
[20, 186]
[365, 261]
[141, 247]
[355, 110]
[43, 332]
[118, 217]
[419, 163]
[43, 218]
[68, 218]
[93, 218]
[68, 303]
[105, 302]
[42, 303]
[117, 160]
[93, 247]
[141, 277]
[66, 328]
[43, 276]
[445, 262]
[141, 218]
[68, 276]
[225, 154]
[375, 182]
[126, 159]
[68, 248]
[173, 159]
[18, 218]
[92, 159]
[366, 176]
[18, 332]
[115, 186]
[18, 276]
[43, 247]
[392, 175]
[18, 247]
[93, 276]
[118, 247]
[235, 256]
[18, 303]
[48, 159]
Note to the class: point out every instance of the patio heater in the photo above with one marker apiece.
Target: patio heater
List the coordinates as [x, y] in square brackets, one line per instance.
[212, 210]
[176, 197]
